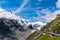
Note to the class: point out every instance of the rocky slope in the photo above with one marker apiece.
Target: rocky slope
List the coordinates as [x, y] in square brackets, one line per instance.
[13, 27]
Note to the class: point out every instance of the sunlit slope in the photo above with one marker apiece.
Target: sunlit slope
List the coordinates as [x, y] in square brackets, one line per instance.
[49, 32]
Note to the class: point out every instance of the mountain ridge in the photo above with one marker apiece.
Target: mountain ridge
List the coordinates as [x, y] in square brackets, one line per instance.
[51, 31]
[12, 27]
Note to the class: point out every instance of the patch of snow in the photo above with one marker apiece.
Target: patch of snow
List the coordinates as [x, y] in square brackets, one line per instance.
[9, 15]
[38, 25]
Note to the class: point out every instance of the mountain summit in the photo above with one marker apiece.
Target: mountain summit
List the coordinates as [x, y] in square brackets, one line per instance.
[12, 16]
[13, 27]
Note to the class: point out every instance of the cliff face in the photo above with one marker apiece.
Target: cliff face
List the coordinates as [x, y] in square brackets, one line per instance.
[12, 30]
[13, 27]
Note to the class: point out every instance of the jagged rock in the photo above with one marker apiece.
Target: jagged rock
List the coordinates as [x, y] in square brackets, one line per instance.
[12, 30]
[12, 27]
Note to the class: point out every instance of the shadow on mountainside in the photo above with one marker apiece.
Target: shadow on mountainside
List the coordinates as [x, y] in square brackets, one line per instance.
[8, 28]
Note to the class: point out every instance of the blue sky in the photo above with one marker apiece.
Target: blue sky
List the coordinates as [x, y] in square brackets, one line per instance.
[33, 10]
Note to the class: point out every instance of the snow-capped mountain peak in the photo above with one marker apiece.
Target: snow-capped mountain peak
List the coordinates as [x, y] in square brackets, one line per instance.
[38, 25]
[6, 14]
[15, 27]
[9, 15]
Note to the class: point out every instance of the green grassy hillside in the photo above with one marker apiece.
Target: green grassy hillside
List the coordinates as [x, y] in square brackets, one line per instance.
[49, 31]
[48, 37]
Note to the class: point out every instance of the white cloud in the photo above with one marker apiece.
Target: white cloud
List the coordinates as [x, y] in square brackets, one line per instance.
[21, 7]
[58, 4]
[6, 14]
[49, 15]
[38, 22]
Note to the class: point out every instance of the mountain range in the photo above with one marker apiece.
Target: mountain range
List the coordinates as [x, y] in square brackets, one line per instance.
[13, 27]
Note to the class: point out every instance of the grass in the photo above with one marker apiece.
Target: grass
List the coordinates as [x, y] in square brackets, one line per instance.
[55, 27]
[32, 35]
[49, 24]
[55, 38]
[44, 37]
[48, 37]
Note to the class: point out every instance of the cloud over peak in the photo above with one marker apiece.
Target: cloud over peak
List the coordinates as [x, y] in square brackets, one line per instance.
[58, 4]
